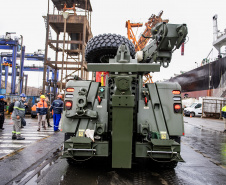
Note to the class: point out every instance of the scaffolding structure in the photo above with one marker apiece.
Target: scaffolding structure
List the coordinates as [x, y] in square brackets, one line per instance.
[75, 27]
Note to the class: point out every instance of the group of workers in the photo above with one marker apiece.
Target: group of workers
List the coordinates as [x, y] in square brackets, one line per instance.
[43, 112]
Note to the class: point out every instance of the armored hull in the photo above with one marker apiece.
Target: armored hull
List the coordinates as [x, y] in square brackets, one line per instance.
[122, 119]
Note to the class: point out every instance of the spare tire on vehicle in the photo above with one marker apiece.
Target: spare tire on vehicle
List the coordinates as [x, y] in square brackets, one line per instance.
[102, 47]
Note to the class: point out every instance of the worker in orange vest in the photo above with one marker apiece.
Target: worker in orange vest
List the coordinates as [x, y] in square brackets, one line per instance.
[42, 109]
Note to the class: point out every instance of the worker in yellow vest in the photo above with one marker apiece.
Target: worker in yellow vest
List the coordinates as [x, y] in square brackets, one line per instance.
[224, 117]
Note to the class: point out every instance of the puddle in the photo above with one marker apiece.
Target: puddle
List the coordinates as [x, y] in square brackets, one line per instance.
[208, 143]
[35, 175]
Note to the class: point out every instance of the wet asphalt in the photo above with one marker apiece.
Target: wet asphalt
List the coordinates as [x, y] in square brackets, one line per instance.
[203, 149]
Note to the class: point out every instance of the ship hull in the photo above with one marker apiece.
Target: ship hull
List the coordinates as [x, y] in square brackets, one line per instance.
[207, 80]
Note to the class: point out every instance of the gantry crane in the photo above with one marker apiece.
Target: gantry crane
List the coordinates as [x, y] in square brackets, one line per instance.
[145, 36]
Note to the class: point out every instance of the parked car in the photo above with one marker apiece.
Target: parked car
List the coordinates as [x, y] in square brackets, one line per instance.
[194, 110]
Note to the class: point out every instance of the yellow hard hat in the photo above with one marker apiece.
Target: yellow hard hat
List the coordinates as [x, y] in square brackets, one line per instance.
[42, 96]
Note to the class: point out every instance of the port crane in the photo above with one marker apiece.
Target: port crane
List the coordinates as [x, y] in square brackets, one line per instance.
[145, 36]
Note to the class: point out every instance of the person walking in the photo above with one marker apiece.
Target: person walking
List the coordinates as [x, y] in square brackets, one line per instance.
[57, 107]
[223, 113]
[48, 111]
[18, 113]
[2, 111]
[42, 112]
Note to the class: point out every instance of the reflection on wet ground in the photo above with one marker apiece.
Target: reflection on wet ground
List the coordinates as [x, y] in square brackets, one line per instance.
[100, 172]
[210, 144]
[38, 171]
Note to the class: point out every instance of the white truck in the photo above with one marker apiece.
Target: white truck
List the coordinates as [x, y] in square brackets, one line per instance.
[194, 110]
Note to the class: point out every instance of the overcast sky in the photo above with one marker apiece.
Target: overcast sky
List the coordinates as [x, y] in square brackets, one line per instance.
[109, 16]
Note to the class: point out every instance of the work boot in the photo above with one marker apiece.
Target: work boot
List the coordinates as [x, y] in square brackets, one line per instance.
[50, 125]
[224, 131]
[2, 128]
[38, 129]
[14, 136]
[20, 138]
[44, 128]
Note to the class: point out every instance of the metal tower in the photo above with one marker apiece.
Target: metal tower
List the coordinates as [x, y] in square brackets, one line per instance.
[71, 25]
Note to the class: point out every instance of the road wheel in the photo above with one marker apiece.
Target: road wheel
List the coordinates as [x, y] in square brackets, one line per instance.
[102, 47]
[192, 114]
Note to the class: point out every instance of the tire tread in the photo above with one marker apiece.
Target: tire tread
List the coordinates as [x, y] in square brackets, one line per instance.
[106, 45]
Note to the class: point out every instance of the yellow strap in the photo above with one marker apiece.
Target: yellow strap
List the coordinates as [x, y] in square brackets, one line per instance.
[102, 79]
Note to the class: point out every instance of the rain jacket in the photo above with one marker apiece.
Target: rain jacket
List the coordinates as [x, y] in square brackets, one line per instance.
[57, 106]
[2, 105]
[42, 107]
[18, 109]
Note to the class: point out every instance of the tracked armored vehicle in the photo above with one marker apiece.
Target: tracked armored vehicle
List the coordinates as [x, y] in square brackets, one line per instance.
[125, 119]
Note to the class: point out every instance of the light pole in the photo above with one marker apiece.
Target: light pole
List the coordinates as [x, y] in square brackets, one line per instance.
[65, 15]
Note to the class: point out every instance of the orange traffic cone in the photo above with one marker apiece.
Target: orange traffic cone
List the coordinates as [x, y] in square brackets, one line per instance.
[190, 116]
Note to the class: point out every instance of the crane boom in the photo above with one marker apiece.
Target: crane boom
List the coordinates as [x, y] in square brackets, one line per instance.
[142, 42]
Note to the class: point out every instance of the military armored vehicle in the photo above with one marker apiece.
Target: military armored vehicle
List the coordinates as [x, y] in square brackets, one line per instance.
[126, 119]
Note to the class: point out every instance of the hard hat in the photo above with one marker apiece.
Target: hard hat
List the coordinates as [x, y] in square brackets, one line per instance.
[59, 96]
[22, 95]
[42, 96]
[1, 96]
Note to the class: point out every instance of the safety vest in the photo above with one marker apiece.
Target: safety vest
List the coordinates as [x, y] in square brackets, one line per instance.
[42, 108]
[224, 109]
